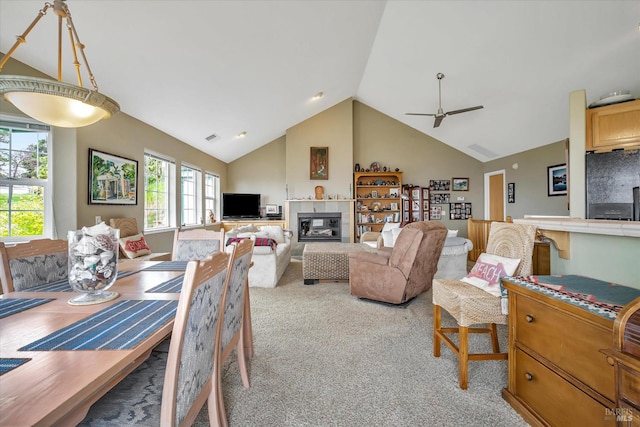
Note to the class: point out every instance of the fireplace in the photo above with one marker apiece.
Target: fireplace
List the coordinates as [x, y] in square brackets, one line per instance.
[319, 227]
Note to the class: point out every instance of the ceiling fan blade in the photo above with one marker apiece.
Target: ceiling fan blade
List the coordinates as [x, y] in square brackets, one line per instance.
[419, 114]
[438, 121]
[464, 110]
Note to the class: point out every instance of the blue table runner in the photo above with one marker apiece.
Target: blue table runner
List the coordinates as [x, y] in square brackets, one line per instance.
[11, 306]
[168, 266]
[64, 286]
[121, 326]
[605, 299]
[7, 364]
[171, 285]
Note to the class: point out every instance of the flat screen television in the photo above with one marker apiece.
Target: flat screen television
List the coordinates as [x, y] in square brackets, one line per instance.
[240, 205]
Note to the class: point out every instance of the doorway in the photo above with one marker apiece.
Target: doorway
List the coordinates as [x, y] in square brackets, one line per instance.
[494, 196]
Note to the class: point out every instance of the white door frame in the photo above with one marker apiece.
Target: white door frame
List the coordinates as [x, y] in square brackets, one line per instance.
[486, 192]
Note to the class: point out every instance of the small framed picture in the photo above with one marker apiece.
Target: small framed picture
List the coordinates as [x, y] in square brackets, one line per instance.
[557, 180]
[394, 206]
[511, 192]
[271, 209]
[374, 194]
[460, 184]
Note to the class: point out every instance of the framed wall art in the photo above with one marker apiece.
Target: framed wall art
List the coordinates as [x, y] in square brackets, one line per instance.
[436, 212]
[511, 192]
[460, 184]
[319, 163]
[557, 180]
[439, 185]
[112, 179]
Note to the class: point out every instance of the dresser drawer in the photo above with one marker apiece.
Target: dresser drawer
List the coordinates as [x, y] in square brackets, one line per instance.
[553, 398]
[629, 385]
[566, 341]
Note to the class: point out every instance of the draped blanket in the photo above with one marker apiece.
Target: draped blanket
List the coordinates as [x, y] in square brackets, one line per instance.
[258, 241]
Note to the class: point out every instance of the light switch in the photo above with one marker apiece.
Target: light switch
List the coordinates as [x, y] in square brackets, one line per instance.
[460, 198]
[98, 219]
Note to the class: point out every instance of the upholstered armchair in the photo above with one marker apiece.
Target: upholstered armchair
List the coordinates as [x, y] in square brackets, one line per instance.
[397, 275]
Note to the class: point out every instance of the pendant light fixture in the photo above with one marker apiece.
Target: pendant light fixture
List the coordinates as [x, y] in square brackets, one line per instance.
[55, 102]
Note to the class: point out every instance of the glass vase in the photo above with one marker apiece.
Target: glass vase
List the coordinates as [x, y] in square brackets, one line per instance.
[93, 263]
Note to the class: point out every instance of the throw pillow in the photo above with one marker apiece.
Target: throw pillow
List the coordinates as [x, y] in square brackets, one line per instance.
[488, 270]
[452, 233]
[395, 233]
[134, 246]
[275, 232]
[387, 238]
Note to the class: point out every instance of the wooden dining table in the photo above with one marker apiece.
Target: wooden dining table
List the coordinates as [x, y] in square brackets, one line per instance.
[57, 387]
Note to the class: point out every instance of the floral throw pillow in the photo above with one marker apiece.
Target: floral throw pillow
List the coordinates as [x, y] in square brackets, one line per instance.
[134, 246]
[488, 270]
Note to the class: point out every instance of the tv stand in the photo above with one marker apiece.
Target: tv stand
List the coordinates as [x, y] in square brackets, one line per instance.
[229, 225]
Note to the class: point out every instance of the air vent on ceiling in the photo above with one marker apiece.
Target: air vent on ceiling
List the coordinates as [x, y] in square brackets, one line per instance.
[211, 137]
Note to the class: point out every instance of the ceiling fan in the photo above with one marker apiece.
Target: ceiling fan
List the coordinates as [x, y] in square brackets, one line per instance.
[441, 114]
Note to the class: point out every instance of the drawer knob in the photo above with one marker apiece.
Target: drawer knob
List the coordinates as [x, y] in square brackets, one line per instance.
[529, 318]
[528, 376]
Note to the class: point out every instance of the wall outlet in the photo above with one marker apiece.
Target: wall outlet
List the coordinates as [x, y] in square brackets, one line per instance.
[98, 219]
[460, 198]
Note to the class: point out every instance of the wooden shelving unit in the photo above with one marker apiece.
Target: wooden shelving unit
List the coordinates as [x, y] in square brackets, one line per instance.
[378, 200]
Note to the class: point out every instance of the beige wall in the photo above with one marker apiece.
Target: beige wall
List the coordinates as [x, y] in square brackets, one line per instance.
[121, 135]
[530, 178]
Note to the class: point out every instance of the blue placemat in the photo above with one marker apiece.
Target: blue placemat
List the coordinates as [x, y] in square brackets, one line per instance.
[171, 285]
[168, 266]
[8, 364]
[11, 306]
[118, 327]
[64, 286]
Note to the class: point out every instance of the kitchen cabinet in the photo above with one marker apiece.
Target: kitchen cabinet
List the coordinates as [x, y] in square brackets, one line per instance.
[613, 127]
[377, 200]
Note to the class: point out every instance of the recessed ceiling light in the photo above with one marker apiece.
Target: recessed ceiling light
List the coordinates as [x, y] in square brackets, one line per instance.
[242, 134]
[318, 95]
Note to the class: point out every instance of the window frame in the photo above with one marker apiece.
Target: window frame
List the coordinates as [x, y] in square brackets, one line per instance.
[170, 193]
[196, 197]
[214, 198]
[29, 124]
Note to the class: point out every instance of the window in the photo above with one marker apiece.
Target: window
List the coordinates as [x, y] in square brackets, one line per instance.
[211, 196]
[191, 180]
[25, 199]
[158, 192]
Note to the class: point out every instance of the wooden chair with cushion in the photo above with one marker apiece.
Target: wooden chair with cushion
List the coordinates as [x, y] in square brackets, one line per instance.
[397, 275]
[237, 319]
[129, 230]
[191, 371]
[471, 305]
[196, 244]
[33, 263]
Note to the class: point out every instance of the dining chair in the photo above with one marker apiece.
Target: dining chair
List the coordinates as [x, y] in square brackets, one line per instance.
[34, 263]
[470, 305]
[196, 244]
[236, 319]
[191, 370]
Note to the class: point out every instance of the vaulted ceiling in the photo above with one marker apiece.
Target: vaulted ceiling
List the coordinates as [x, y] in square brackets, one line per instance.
[197, 68]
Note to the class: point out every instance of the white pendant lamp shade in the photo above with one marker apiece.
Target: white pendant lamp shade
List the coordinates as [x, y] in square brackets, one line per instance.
[56, 103]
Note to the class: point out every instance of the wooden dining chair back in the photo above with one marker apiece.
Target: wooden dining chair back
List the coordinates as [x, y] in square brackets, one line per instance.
[196, 244]
[235, 316]
[193, 361]
[33, 263]
[470, 305]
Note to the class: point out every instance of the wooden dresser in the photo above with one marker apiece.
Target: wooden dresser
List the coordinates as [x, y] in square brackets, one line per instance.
[558, 375]
[625, 357]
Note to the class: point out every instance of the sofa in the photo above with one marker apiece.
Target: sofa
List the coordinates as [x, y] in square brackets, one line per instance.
[271, 252]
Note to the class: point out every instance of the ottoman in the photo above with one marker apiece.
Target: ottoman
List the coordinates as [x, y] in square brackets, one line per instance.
[328, 260]
[452, 263]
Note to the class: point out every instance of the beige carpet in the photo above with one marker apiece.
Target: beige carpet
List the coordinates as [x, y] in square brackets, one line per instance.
[325, 358]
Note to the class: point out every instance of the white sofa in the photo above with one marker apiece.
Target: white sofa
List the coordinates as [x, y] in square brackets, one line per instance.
[269, 263]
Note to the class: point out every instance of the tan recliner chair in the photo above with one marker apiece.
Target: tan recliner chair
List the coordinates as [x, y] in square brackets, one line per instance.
[398, 275]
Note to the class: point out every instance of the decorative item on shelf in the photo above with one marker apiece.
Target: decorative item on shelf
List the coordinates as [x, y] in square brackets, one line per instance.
[384, 169]
[375, 167]
[376, 206]
[212, 217]
[357, 167]
[397, 169]
[93, 263]
[319, 192]
[55, 102]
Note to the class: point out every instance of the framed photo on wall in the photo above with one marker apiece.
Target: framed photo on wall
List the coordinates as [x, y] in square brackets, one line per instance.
[112, 179]
[557, 180]
[460, 184]
[319, 163]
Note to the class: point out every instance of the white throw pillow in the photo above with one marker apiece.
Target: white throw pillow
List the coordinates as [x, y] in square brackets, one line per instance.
[488, 270]
[387, 238]
[395, 233]
[275, 232]
[249, 228]
[452, 233]
[134, 246]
